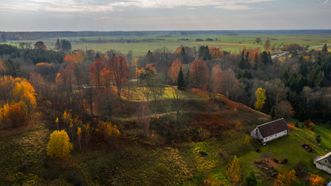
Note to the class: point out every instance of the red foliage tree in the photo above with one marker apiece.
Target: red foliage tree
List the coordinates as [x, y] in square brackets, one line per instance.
[95, 71]
[199, 74]
[216, 78]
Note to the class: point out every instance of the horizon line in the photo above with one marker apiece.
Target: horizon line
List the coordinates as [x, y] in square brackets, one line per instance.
[171, 30]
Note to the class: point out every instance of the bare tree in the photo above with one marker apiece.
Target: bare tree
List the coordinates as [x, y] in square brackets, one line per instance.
[143, 118]
[119, 71]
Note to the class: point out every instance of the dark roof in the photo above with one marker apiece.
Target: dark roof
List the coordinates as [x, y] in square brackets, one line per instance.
[272, 127]
[325, 157]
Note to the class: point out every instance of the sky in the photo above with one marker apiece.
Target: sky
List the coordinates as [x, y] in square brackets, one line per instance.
[133, 15]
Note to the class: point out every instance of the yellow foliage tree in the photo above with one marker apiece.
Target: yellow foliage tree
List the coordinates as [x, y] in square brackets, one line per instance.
[59, 145]
[286, 179]
[17, 89]
[24, 91]
[108, 129]
[233, 171]
[261, 97]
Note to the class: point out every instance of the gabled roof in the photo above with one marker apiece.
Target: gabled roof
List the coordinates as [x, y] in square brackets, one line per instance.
[273, 127]
[327, 157]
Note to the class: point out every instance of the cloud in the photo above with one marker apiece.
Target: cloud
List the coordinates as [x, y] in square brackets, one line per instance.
[80, 6]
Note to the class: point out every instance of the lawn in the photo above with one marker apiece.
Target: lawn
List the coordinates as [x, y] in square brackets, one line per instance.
[212, 167]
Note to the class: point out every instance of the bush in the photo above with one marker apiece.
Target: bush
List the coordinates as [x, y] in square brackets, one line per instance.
[13, 115]
[301, 170]
[310, 125]
[251, 180]
[59, 145]
[284, 161]
[106, 131]
[318, 139]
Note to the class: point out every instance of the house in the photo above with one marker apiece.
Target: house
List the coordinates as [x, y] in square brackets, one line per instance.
[324, 163]
[270, 131]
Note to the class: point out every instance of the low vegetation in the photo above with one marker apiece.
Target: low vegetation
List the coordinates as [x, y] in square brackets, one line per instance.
[167, 117]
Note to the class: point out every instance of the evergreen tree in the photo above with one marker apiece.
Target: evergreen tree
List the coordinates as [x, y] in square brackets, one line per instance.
[325, 49]
[180, 80]
[187, 79]
[204, 53]
[58, 44]
[251, 180]
[65, 46]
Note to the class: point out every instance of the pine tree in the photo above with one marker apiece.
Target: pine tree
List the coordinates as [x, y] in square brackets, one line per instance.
[180, 80]
[58, 44]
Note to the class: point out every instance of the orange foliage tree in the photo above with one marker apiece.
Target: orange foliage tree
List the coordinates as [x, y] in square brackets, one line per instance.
[216, 53]
[174, 69]
[216, 78]
[95, 71]
[199, 74]
[119, 72]
[76, 56]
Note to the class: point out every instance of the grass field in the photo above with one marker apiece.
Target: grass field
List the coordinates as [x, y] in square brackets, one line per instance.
[230, 43]
[133, 163]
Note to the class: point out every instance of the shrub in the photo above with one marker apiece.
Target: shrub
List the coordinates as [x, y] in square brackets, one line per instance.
[13, 115]
[301, 170]
[310, 125]
[316, 180]
[59, 145]
[107, 130]
[251, 180]
[318, 139]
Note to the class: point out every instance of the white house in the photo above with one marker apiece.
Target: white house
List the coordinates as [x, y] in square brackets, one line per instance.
[324, 163]
[270, 131]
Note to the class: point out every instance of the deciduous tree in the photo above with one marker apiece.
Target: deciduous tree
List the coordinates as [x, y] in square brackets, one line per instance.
[286, 179]
[261, 97]
[199, 74]
[59, 145]
[181, 80]
[39, 45]
[216, 78]
[173, 70]
[233, 171]
[119, 72]
[230, 85]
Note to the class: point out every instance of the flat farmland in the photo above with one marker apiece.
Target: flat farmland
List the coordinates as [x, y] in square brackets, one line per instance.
[139, 45]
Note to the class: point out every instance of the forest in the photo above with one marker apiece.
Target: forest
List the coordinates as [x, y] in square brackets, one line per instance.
[178, 116]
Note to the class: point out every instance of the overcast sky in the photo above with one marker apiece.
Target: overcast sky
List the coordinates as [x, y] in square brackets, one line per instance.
[108, 15]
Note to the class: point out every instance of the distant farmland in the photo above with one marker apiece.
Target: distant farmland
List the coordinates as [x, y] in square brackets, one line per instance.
[139, 43]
